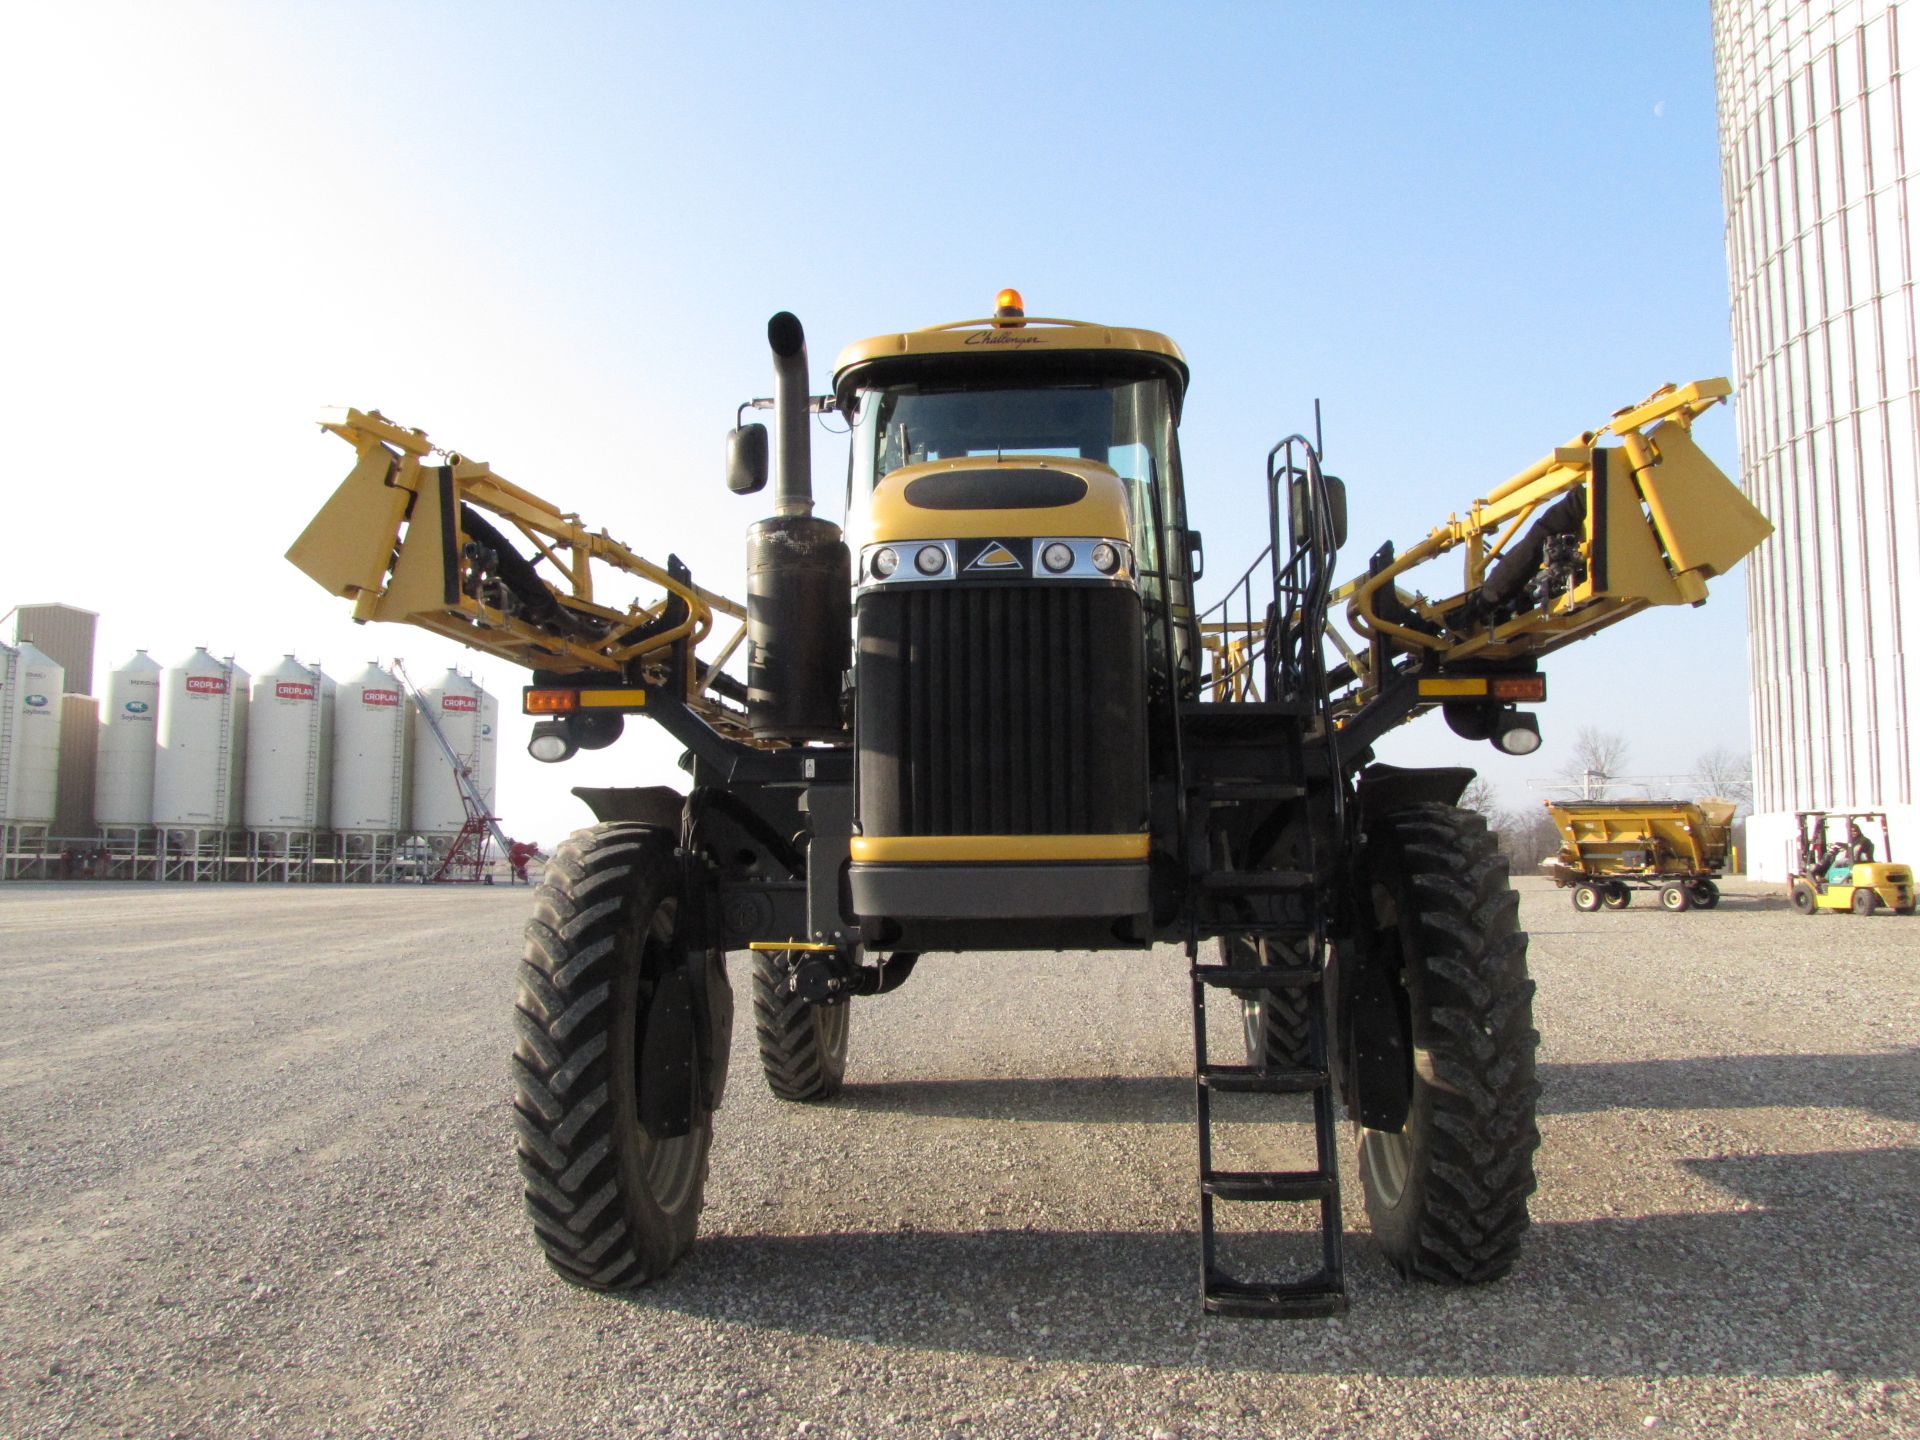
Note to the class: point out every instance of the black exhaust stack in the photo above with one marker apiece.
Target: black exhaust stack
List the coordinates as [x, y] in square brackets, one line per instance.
[799, 576]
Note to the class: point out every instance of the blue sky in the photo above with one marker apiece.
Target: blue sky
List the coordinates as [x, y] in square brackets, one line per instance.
[551, 235]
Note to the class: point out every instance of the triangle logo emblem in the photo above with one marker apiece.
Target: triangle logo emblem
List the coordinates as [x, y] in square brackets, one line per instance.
[995, 557]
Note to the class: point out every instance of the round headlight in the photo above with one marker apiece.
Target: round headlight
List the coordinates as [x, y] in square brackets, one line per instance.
[1518, 733]
[550, 742]
[931, 560]
[1105, 557]
[1057, 557]
[885, 561]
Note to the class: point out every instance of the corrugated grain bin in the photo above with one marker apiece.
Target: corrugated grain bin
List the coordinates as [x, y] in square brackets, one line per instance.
[289, 748]
[199, 767]
[372, 754]
[29, 735]
[470, 719]
[129, 730]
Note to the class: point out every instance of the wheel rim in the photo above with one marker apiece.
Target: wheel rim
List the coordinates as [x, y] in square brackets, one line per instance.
[1389, 1157]
[672, 1166]
[833, 1024]
[1253, 1029]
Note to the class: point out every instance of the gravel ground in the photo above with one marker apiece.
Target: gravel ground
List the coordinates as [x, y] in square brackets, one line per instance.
[255, 1179]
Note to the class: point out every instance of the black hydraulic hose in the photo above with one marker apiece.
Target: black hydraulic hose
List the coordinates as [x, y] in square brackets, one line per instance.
[516, 572]
[1509, 576]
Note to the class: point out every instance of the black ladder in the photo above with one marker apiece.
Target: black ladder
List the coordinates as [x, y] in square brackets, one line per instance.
[1321, 1291]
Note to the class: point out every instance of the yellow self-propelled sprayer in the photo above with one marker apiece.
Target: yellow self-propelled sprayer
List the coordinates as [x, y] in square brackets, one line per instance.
[989, 716]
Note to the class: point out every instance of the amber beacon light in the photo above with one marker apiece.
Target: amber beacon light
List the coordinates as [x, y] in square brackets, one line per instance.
[1008, 307]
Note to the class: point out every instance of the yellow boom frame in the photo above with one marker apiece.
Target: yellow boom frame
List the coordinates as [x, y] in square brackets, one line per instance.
[1670, 522]
[392, 540]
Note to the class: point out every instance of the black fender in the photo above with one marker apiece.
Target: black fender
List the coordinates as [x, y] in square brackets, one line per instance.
[656, 805]
[1384, 788]
[1373, 1031]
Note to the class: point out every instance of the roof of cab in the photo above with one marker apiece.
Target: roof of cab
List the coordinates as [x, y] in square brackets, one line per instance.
[1038, 336]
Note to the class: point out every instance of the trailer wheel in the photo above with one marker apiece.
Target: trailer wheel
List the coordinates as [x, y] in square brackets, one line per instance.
[1586, 898]
[1616, 896]
[612, 1206]
[1447, 1193]
[1676, 897]
[803, 1046]
[1273, 1022]
[1706, 894]
[1865, 901]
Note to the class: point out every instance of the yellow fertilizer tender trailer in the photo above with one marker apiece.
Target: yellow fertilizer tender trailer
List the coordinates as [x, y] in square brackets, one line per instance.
[1609, 850]
[989, 715]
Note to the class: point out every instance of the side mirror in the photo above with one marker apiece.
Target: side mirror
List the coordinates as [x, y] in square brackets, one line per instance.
[1196, 555]
[747, 459]
[1336, 508]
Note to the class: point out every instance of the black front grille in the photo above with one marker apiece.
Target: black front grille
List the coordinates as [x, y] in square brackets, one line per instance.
[1001, 710]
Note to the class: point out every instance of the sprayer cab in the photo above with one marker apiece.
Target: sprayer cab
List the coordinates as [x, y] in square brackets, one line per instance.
[1015, 517]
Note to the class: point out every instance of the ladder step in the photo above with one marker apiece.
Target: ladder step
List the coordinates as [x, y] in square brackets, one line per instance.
[1268, 1184]
[1234, 713]
[1256, 977]
[1317, 1295]
[1251, 1080]
[1255, 882]
[1246, 790]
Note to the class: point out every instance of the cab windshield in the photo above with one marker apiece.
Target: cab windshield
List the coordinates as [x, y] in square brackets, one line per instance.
[1126, 425]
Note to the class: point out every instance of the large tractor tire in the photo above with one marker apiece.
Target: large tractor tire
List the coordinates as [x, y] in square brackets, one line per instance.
[613, 1206]
[803, 1046]
[1447, 1192]
[1274, 1023]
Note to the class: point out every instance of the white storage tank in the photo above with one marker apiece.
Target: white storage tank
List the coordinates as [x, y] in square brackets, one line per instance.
[289, 748]
[470, 720]
[372, 754]
[129, 726]
[199, 766]
[29, 735]
[1820, 167]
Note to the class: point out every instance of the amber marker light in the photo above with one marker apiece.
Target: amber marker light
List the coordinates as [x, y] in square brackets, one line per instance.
[1520, 687]
[551, 702]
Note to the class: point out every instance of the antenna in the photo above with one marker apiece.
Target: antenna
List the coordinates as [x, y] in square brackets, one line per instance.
[1319, 444]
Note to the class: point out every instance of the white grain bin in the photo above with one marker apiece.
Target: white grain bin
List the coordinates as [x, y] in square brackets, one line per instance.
[289, 748]
[470, 720]
[129, 728]
[372, 754]
[29, 735]
[200, 763]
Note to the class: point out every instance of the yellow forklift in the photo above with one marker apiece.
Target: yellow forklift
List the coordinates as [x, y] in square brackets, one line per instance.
[1838, 865]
